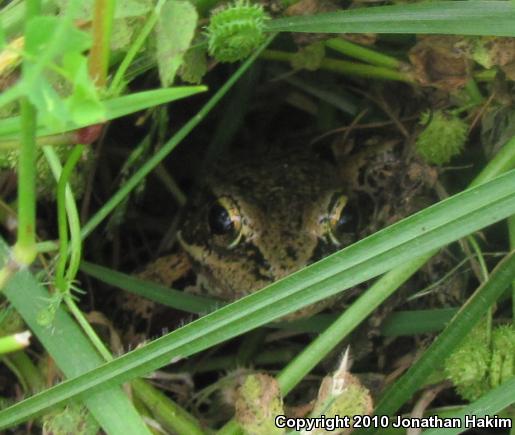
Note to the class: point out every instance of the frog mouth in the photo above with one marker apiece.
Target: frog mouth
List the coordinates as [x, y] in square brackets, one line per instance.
[193, 250]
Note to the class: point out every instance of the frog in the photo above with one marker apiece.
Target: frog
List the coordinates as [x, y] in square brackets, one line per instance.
[255, 219]
[258, 216]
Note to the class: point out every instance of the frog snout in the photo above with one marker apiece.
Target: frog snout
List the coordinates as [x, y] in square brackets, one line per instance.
[280, 269]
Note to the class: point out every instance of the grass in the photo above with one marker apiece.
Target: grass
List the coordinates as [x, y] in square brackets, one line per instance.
[57, 52]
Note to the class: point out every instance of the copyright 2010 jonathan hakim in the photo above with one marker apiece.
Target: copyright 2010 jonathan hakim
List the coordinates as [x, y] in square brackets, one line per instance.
[382, 421]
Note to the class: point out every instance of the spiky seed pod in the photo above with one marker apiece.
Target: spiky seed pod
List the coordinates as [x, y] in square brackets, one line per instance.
[443, 138]
[236, 31]
[502, 366]
[467, 367]
[258, 402]
[478, 365]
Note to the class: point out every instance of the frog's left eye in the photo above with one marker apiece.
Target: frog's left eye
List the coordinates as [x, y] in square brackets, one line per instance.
[339, 220]
[224, 220]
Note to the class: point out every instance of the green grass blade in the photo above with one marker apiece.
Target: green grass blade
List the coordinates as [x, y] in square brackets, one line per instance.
[114, 108]
[135, 102]
[494, 18]
[415, 236]
[417, 322]
[72, 352]
[188, 302]
[172, 298]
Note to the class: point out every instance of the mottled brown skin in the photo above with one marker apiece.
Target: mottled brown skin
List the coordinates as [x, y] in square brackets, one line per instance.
[284, 204]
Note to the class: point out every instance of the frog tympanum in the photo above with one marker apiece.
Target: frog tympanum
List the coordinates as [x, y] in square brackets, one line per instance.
[255, 221]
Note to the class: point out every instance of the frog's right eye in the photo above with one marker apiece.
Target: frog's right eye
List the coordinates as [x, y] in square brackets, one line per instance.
[339, 220]
[224, 220]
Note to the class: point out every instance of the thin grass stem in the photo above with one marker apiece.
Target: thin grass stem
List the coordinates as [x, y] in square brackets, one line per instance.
[117, 84]
[25, 249]
[364, 54]
[63, 283]
[345, 67]
[172, 416]
[103, 14]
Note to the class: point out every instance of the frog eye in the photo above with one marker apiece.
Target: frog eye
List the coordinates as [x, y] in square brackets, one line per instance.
[339, 220]
[224, 220]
